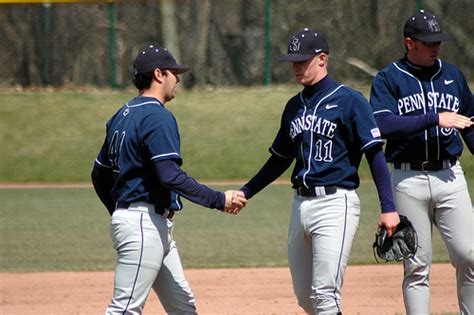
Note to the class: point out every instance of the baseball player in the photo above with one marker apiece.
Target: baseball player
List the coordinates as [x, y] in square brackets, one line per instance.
[138, 178]
[326, 128]
[422, 105]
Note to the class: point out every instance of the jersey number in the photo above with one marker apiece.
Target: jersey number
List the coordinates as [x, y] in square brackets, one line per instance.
[115, 148]
[323, 151]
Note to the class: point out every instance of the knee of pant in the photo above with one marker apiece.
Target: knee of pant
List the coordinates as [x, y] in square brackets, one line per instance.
[463, 262]
[305, 303]
[417, 273]
[307, 306]
[118, 308]
[324, 303]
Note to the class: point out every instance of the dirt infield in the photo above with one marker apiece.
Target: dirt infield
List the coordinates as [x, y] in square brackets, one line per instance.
[371, 289]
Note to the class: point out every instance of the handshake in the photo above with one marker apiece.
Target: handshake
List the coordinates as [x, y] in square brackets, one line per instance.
[234, 201]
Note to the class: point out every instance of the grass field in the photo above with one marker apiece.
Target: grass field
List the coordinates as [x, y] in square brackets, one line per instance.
[225, 133]
[67, 229]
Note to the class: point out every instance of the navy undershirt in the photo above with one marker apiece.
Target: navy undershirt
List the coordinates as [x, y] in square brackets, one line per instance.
[394, 126]
[171, 176]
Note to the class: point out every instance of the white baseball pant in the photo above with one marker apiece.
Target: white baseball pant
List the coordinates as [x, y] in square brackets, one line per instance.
[147, 257]
[439, 198]
[320, 236]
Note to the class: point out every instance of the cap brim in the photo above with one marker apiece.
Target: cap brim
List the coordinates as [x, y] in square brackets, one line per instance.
[433, 38]
[294, 57]
[181, 68]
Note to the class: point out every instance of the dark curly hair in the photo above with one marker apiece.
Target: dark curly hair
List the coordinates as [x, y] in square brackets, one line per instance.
[143, 80]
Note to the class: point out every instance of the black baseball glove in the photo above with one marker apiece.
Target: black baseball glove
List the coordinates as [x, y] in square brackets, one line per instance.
[401, 245]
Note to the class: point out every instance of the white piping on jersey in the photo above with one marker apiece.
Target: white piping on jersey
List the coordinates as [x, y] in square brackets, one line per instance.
[370, 142]
[383, 111]
[162, 155]
[424, 104]
[177, 203]
[141, 104]
[304, 113]
[280, 155]
[312, 126]
[101, 164]
[432, 90]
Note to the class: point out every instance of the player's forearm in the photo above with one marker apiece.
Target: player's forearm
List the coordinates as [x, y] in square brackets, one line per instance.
[393, 126]
[174, 178]
[103, 181]
[381, 176]
[271, 170]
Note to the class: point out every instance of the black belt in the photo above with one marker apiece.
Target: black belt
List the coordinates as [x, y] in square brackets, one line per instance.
[426, 165]
[158, 210]
[316, 191]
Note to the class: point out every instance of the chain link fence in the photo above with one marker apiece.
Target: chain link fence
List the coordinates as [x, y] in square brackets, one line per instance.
[225, 42]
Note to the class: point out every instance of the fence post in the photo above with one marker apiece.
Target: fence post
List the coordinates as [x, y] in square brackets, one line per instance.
[46, 44]
[419, 4]
[267, 74]
[112, 44]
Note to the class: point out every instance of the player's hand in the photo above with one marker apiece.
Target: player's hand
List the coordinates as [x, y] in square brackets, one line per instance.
[453, 120]
[390, 221]
[234, 201]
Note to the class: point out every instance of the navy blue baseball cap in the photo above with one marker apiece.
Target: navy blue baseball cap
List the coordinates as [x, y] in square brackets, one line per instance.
[425, 27]
[156, 57]
[304, 45]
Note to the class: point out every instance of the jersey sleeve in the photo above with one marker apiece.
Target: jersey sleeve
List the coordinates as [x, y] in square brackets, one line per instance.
[382, 100]
[467, 99]
[283, 145]
[367, 134]
[102, 159]
[160, 136]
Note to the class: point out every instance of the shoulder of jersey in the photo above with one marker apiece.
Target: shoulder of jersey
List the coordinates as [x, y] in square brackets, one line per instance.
[450, 68]
[345, 90]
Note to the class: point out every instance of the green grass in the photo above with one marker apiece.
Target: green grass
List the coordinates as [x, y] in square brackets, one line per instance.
[56, 136]
[67, 229]
[225, 133]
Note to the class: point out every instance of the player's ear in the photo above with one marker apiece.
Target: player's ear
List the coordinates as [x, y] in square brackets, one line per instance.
[158, 75]
[408, 43]
[322, 59]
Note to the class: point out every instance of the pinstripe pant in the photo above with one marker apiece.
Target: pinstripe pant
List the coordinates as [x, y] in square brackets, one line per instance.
[147, 257]
[320, 236]
[439, 198]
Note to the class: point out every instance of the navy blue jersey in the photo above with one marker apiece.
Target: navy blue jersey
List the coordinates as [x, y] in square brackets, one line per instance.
[141, 132]
[403, 90]
[326, 133]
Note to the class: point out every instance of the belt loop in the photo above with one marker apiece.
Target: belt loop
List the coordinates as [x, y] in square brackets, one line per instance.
[423, 164]
[320, 191]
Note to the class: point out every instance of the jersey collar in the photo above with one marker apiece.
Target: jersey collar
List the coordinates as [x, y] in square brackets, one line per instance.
[421, 72]
[145, 100]
[310, 90]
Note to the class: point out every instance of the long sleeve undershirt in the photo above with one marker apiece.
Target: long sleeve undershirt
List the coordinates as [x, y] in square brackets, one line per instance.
[174, 178]
[271, 170]
[393, 126]
[468, 136]
[381, 176]
[103, 181]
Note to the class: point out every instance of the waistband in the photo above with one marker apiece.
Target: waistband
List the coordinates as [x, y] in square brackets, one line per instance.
[318, 191]
[437, 165]
[145, 206]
